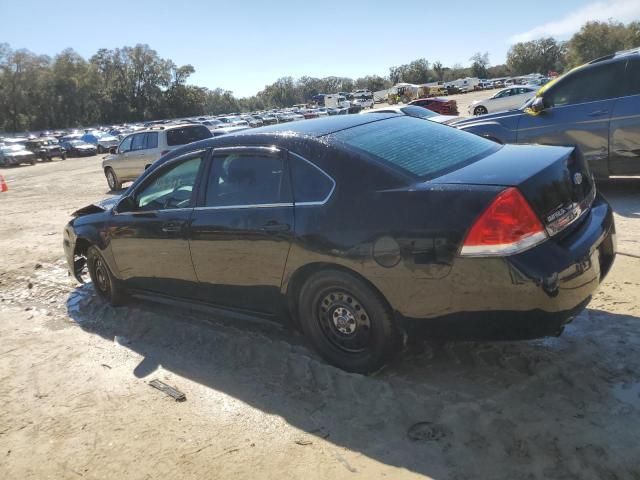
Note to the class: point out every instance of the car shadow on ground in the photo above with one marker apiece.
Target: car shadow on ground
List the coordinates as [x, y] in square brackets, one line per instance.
[623, 194]
[505, 407]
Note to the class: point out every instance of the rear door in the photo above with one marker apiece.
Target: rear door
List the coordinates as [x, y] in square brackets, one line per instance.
[577, 113]
[625, 125]
[242, 229]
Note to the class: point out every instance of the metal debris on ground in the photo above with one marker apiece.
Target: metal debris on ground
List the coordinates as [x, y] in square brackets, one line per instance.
[169, 390]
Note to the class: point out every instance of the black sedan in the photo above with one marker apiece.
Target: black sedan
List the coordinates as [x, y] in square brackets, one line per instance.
[78, 148]
[357, 227]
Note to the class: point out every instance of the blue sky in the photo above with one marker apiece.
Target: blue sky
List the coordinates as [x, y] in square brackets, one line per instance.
[244, 45]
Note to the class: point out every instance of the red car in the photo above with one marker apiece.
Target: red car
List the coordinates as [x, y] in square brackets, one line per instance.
[443, 106]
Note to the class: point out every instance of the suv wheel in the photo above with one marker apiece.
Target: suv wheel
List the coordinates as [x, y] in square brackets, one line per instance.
[112, 179]
[347, 322]
[105, 284]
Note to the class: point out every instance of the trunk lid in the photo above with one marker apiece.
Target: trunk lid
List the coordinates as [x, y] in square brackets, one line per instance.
[555, 180]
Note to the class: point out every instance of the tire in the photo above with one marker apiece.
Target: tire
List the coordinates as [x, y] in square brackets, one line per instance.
[112, 179]
[32, 162]
[100, 149]
[480, 110]
[347, 322]
[64, 156]
[105, 284]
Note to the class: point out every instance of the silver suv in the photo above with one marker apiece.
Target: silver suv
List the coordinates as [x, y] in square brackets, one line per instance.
[139, 150]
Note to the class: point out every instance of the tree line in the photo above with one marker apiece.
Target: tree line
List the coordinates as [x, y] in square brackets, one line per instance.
[131, 84]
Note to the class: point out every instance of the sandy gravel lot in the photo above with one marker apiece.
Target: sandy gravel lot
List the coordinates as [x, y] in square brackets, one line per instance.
[76, 402]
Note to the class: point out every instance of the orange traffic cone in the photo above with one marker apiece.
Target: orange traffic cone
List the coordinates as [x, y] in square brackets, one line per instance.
[3, 185]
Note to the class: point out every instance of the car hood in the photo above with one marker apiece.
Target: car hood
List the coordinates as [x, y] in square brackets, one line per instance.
[107, 139]
[98, 207]
[496, 116]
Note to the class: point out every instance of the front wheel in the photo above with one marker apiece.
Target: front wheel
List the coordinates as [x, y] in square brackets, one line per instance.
[112, 180]
[105, 284]
[480, 110]
[64, 156]
[348, 322]
[100, 149]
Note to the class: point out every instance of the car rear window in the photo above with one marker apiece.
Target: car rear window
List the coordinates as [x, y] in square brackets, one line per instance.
[415, 146]
[184, 135]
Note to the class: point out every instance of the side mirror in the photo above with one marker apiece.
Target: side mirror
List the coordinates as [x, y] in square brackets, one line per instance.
[538, 105]
[126, 204]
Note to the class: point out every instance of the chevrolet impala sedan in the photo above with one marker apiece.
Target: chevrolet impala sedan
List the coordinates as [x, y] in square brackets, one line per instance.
[356, 227]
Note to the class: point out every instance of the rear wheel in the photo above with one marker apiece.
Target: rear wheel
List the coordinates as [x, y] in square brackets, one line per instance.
[480, 110]
[112, 180]
[105, 284]
[347, 322]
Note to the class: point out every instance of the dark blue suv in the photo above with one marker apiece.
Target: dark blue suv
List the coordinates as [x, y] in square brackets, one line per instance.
[595, 107]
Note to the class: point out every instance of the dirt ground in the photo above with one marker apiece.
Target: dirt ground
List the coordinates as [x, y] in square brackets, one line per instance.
[76, 402]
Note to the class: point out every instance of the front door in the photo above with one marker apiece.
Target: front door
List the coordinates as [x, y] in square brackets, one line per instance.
[241, 230]
[149, 232]
[577, 113]
[625, 126]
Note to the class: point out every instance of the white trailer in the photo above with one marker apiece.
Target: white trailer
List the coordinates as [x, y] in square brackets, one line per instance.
[335, 100]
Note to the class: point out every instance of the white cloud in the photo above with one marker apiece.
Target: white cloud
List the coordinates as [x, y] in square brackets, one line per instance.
[621, 10]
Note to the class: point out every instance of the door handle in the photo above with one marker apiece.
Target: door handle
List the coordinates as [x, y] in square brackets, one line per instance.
[171, 227]
[275, 227]
[598, 113]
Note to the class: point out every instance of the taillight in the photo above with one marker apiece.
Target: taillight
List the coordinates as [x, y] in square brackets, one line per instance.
[507, 226]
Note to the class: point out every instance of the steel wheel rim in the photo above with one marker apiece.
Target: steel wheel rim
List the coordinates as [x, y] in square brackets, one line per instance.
[111, 179]
[101, 276]
[344, 321]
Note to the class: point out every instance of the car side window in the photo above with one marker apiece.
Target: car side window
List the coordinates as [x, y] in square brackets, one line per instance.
[170, 188]
[139, 142]
[125, 145]
[310, 183]
[247, 179]
[594, 83]
[152, 140]
[633, 77]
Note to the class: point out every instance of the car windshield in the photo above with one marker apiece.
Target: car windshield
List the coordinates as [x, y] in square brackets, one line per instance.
[415, 146]
[11, 148]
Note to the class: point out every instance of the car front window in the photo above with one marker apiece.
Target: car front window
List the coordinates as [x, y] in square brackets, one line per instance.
[170, 189]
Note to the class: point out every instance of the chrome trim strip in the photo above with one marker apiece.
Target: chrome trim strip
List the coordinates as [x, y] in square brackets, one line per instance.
[240, 148]
[236, 207]
[333, 187]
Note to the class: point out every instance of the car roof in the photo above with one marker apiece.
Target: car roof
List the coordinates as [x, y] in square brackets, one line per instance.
[320, 126]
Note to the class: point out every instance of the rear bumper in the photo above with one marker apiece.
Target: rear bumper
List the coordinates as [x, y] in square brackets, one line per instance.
[528, 295]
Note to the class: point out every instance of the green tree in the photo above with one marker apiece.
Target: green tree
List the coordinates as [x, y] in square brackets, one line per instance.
[597, 39]
[479, 65]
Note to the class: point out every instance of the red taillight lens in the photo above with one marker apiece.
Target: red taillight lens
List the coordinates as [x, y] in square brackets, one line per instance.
[507, 226]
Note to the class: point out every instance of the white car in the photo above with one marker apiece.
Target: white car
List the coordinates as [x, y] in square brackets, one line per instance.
[505, 99]
[363, 102]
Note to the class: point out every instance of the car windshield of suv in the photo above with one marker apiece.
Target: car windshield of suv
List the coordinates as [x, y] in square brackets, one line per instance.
[417, 147]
